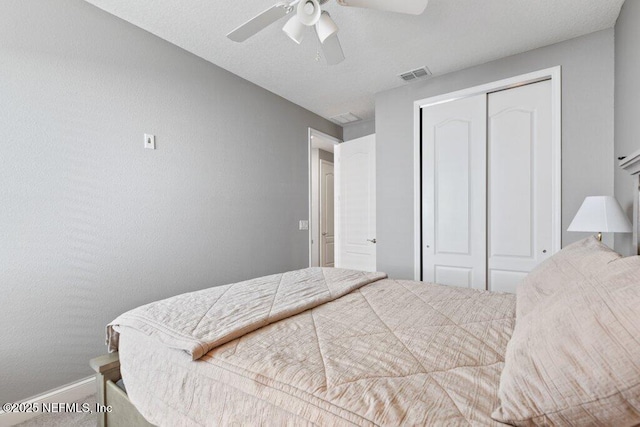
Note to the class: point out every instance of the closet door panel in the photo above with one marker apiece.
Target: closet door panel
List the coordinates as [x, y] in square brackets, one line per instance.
[454, 192]
[520, 208]
[511, 182]
[504, 280]
[455, 276]
[452, 187]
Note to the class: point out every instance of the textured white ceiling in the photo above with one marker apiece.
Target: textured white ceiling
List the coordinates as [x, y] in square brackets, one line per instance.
[450, 35]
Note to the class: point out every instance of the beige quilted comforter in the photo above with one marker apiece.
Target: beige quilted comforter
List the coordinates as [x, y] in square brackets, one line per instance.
[365, 351]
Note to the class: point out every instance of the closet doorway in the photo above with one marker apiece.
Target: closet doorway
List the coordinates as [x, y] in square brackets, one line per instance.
[489, 182]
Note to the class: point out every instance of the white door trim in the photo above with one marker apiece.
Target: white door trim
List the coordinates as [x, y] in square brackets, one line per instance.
[555, 74]
[310, 133]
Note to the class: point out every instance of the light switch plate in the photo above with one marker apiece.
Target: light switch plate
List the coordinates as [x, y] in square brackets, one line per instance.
[149, 141]
[303, 224]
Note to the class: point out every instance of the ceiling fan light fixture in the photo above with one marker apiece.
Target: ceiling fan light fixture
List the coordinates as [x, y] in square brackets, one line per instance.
[294, 29]
[325, 27]
[308, 12]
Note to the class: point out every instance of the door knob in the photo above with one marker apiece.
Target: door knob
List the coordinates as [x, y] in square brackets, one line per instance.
[372, 240]
[324, 234]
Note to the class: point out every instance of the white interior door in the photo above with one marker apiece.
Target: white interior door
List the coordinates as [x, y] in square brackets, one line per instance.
[314, 208]
[326, 214]
[520, 195]
[454, 193]
[355, 186]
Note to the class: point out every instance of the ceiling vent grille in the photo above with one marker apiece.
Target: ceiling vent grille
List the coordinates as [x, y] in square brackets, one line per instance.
[418, 73]
[345, 118]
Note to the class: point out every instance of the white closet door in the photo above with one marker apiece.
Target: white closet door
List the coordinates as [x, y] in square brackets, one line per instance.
[454, 192]
[520, 193]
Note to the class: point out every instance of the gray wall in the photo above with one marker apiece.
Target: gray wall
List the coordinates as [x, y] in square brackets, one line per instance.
[587, 136]
[627, 124]
[91, 223]
[359, 129]
[325, 155]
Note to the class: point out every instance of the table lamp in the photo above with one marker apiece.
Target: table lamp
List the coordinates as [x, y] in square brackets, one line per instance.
[601, 214]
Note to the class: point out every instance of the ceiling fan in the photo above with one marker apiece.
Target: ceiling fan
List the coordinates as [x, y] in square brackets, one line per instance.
[309, 13]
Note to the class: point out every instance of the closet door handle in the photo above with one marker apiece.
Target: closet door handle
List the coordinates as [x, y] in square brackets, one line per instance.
[372, 240]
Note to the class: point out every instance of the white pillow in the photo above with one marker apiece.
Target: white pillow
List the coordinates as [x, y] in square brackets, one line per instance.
[575, 262]
[574, 357]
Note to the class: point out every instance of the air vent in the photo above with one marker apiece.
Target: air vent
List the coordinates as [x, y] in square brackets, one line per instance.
[418, 73]
[345, 118]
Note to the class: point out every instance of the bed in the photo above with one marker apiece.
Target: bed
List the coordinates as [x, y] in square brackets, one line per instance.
[337, 347]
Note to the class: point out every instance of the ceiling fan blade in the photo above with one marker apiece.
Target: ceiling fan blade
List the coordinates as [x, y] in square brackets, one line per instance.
[259, 22]
[332, 50]
[411, 7]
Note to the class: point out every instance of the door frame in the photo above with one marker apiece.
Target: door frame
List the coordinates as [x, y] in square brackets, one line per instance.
[311, 132]
[555, 75]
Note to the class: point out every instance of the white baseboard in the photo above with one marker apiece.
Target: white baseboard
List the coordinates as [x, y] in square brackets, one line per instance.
[66, 394]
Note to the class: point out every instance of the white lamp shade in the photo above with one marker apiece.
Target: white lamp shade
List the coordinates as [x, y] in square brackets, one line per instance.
[294, 29]
[601, 214]
[308, 12]
[325, 27]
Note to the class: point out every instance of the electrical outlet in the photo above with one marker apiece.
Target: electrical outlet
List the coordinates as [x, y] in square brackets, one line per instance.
[149, 141]
[303, 224]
